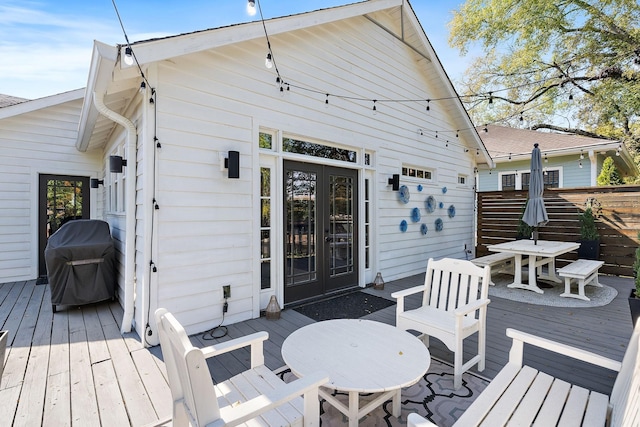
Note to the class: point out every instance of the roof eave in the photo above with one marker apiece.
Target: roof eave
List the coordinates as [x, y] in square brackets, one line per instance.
[150, 51]
[40, 103]
[103, 61]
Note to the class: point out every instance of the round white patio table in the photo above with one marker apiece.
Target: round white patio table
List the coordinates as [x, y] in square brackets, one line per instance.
[359, 356]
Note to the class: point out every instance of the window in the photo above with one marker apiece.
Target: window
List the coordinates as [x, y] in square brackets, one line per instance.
[318, 150]
[420, 173]
[462, 179]
[520, 180]
[265, 140]
[265, 228]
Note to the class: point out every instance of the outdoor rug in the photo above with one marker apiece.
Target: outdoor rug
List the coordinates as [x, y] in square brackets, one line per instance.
[352, 305]
[551, 296]
[433, 397]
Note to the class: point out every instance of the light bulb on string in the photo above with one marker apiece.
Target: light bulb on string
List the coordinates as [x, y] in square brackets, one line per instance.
[268, 62]
[509, 156]
[326, 101]
[521, 118]
[457, 133]
[580, 164]
[128, 56]
[251, 7]
[428, 107]
[581, 155]
[375, 110]
[143, 87]
[546, 159]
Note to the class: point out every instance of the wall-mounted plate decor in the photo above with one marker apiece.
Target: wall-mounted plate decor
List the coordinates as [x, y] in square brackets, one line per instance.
[441, 205]
[404, 194]
[439, 224]
[430, 204]
[423, 229]
[403, 225]
[452, 211]
[444, 190]
[415, 214]
[419, 187]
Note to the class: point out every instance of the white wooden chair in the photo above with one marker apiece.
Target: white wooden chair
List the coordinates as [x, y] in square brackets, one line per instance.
[522, 395]
[454, 306]
[256, 394]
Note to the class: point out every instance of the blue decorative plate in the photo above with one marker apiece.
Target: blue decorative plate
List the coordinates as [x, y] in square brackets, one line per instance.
[452, 211]
[403, 226]
[419, 187]
[444, 190]
[441, 205]
[439, 224]
[403, 193]
[430, 204]
[415, 214]
[423, 229]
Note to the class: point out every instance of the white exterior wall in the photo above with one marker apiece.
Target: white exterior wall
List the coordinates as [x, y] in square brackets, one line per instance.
[33, 143]
[213, 102]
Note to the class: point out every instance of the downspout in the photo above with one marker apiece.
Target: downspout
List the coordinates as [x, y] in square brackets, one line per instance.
[130, 205]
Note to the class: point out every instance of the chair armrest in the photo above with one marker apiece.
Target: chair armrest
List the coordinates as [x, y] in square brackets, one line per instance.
[519, 338]
[415, 420]
[234, 415]
[254, 340]
[471, 307]
[406, 292]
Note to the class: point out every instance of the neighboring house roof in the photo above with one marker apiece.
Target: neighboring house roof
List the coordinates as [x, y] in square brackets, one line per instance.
[26, 105]
[8, 100]
[119, 83]
[506, 143]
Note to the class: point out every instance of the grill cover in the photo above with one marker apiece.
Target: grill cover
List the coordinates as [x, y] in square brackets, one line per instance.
[80, 260]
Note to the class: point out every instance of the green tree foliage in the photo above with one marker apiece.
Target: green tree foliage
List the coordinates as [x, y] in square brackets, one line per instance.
[547, 60]
[609, 174]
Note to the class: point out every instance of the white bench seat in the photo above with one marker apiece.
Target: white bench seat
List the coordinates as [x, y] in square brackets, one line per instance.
[499, 262]
[585, 272]
[522, 395]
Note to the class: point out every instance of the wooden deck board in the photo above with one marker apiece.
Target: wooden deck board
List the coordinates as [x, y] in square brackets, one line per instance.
[74, 367]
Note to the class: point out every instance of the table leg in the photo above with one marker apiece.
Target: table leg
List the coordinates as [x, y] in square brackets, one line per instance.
[517, 282]
[354, 408]
[395, 408]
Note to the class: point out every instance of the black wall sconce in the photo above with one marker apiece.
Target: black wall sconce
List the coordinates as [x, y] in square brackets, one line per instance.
[95, 182]
[232, 164]
[394, 181]
[116, 163]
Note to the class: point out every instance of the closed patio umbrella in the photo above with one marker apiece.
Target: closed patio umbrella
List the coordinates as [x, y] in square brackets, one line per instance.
[535, 213]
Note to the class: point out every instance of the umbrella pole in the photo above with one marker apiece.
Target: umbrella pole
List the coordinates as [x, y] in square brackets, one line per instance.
[535, 235]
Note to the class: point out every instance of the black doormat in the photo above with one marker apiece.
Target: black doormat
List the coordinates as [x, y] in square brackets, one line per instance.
[348, 306]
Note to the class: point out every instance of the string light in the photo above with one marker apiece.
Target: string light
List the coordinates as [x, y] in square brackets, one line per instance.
[619, 150]
[143, 87]
[509, 156]
[268, 62]
[374, 106]
[546, 160]
[128, 56]
[251, 7]
[581, 155]
[521, 118]
[428, 107]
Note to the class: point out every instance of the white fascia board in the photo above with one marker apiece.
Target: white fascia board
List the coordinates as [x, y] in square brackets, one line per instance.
[40, 103]
[147, 52]
[450, 89]
[103, 61]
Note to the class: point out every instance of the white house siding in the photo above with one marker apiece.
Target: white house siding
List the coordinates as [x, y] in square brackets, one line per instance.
[33, 143]
[216, 101]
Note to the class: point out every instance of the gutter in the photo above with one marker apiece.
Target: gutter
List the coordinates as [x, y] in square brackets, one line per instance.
[130, 218]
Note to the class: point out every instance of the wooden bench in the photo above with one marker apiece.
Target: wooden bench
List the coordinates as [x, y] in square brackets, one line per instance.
[585, 272]
[526, 396]
[498, 262]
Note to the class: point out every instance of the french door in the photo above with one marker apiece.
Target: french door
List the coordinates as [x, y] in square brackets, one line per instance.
[320, 226]
[61, 199]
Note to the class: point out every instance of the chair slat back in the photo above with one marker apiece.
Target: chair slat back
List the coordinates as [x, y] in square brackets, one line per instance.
[625, 395]
[189, 377]
[451, 283]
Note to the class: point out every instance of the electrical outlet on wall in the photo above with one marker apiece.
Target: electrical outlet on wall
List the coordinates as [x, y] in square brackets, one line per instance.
[226, 291]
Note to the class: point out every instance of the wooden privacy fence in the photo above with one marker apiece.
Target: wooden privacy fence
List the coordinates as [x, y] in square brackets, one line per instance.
[499, 213]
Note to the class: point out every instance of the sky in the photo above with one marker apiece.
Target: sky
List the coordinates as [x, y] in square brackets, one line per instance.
[46, 45]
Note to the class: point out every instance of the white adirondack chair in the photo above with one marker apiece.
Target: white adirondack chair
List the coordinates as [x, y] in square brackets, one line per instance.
[454, 306]
[254, 394]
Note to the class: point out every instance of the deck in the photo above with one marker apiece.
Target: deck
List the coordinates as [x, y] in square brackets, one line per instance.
[75, 368]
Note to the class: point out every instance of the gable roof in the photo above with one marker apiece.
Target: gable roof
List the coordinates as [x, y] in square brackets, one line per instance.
[119, 83]
[18, 106]
[507, 143]
[8, 100]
